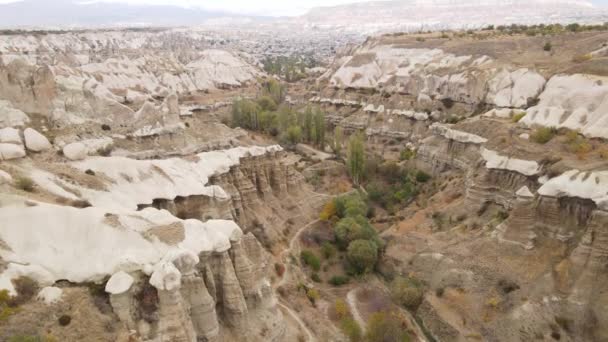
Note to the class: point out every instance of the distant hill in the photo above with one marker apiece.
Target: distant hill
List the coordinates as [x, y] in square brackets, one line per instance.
[68, 13]
[413, 15]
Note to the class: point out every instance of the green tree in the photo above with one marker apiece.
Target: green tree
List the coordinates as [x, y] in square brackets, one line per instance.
[245, 114]
[308, 125]
[274, 89]
[407, 292]
[386, 327]
[362, 255]
[319, 123]
[294, 135]
[267, 103]
[337, 143]
[352, 329]
[356, 158]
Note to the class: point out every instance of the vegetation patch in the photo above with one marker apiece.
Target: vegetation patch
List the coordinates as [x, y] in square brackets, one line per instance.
[543, 135]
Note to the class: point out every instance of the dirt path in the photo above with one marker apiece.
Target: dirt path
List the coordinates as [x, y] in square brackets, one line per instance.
[295, 317]
[284, 257]
[351, 300]
[294, 247]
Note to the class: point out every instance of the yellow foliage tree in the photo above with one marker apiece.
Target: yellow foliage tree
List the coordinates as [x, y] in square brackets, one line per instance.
[329, 211]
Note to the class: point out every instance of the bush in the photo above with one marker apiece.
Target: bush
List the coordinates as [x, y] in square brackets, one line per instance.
[407, 154]
[328, 250]
[543, 135]
[338, 280]
[310, 259]
[353, 228]
[407, 292]
[362, 255]
[582, 58]
[65, 320]
[386, 327]
[279, 269]
[351, 329]
[266, 103]
[518, 116]
[341, 308]
[313, 295]
[315, 277]
[25, 183]
[26, 289]
[547, 46]
[329, 211]
[294, 134]
[422, 177]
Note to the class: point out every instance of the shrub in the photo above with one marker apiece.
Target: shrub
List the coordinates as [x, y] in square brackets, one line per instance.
[313, 295]
[547, 46]
[407, 292]
[518, 116]
[328, 250]
[266, 103]
[386, 327]
[26, 290]
[310, 259]
[351, 329]
[362, 255]
[603, 153]
[407, 154]
[582, 58]
[25, 183]
[341, 308]
[315, 277]
[279, 269]
[329, 211]
[349, 229]
[338, 280]
[294, 134]
[422, 177]
[543, 135]
[64, 320]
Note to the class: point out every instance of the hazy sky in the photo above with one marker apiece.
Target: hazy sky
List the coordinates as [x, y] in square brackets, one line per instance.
[258, 7]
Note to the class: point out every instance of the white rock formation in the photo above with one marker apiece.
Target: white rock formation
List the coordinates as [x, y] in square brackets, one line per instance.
[107, 243]
[11, 151]
[524, 191]
[81, 149]
[34, 141]
[50, 295]
[514, 89]
[75, 151]
[578, 102]
[591, 185]
[10, 135]
[120, 282]
[136, 182]
[496, 161]
[456, 135]
[433, 73]
[11, 117]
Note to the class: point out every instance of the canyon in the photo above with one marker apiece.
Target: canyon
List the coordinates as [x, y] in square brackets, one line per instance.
[142, 213]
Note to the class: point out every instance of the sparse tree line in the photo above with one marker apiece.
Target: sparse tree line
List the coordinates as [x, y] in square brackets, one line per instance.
[269, 115]
[290, 68]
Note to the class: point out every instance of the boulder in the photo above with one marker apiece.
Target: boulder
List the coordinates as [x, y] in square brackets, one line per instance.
[11, 151]
[10, 135]
[11, 117]
[35, 141]
[75, 151]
